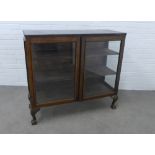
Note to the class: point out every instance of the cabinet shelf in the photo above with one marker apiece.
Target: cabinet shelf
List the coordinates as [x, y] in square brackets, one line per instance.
[97, 85]
[56, 88]
[57, 74]
[67, 74]
[110, 52]
[101, 52]
[94, 52]
[101, 70]
[53, 90]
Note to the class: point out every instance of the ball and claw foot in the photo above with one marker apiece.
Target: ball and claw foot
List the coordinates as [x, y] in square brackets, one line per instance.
[34, 122]
[114, 104]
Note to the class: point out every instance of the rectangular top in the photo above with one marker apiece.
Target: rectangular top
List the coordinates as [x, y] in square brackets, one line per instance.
[70, 32]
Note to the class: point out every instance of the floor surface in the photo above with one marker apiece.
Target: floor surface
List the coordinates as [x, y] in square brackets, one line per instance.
[135, 114]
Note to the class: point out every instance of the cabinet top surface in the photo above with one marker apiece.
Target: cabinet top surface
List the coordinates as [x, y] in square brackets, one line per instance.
[69, 32]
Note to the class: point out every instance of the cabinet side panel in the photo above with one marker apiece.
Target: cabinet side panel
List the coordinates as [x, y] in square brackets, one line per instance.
[27, 45]
[119, 63]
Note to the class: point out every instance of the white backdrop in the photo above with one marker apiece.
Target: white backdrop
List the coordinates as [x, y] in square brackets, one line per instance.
[138, 71]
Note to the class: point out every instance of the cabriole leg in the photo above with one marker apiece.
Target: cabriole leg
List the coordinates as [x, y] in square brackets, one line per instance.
[114, 102]
[33, 114]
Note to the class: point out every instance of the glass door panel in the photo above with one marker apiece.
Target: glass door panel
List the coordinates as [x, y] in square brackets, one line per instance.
[54, 71]
[101, 59]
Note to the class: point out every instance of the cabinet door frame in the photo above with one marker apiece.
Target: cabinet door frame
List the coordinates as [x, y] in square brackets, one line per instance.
[30, 68]
[96, 38]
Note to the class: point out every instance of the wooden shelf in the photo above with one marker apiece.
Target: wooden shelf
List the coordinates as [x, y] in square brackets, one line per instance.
[101, 71]
[110, 52]
[94, 86]
[49, 62]
[53, 90]
[101, 52]
[48, 90]
[57, 74]
[67, 73]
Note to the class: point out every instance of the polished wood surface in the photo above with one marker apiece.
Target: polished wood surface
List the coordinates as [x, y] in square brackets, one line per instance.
[70, 32]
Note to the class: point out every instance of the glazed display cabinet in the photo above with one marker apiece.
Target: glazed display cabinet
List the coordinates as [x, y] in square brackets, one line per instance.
[69, 66]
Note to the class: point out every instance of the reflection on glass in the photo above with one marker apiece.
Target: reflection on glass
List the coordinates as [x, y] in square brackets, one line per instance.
[54, 65]
[101, 59]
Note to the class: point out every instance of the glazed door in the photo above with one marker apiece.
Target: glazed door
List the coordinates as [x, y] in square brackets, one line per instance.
[100, 66]
[55, 65]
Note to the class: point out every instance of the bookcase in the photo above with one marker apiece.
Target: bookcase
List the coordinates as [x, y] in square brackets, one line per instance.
[72, 65]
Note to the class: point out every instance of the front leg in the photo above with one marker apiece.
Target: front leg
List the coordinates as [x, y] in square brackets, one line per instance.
[33, 111]
[33, 114]
[114, 102]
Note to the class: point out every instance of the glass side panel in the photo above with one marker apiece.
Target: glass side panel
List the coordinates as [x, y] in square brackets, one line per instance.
[54, 67]
[101, 59]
